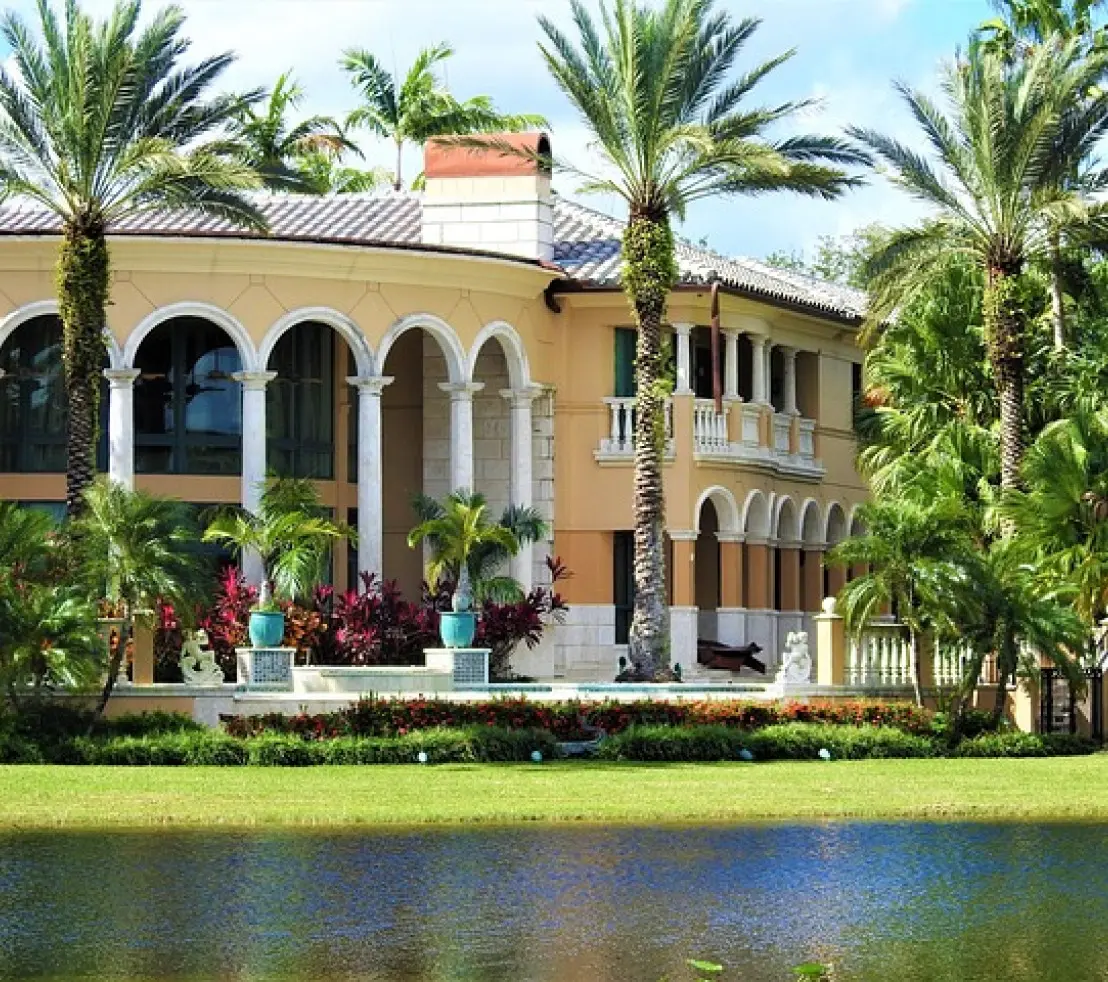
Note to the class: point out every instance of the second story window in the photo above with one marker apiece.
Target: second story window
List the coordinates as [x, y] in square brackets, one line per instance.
[624, 383]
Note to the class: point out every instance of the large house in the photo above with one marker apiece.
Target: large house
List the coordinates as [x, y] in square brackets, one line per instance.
[473, 335]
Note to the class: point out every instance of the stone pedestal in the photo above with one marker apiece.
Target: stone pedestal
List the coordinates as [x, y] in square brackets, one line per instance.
[467, 666]
[265, 668]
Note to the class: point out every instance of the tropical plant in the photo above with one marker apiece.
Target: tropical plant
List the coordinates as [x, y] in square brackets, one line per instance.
[652, 87]
[276, 148]
[911, 552]
[467, 548]
[1061, 516]
[99, 121]
[1005, 148]
[48, 636]
[326, 174]
[289, 533]
[418, 107]
[132, 549]
[26, 540]
[1010, 617]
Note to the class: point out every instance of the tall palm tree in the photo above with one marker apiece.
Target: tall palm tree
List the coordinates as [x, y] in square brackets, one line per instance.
[655, 89]
[98, 121]
[912, 552]
[418, 107]
[277, 148]
[1021, 27]
[1003, 149]
[324, 173]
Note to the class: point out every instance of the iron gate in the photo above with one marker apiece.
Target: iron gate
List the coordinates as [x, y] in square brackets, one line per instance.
[1060, 708]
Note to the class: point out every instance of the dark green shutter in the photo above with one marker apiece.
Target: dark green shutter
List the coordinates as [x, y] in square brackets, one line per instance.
[625, 362]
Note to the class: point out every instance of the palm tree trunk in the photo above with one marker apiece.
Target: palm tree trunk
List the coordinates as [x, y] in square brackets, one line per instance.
[82, 281]
[913, 654]
[648, 273]
[115, 662]
[1057, 302]
[1004, 343]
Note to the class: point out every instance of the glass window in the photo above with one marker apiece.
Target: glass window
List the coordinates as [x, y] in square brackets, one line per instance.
[625, 362]
[33, 401]
[623, 566]
[188, 408]
[352, 398]
[300, 404]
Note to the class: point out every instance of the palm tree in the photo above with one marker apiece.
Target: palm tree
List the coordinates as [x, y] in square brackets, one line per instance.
[325, 174]
[467, 548]
[276, 148]
[1004, 147]
[133, 549]
[26, 537]
[1023, 26]
[99, 121]
[416, 108]
[912, 552]
[290, 533]
[652, 86]
[1061, 518]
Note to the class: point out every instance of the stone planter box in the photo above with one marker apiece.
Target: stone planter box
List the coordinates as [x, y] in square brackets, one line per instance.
[467, 666]
[376, 679]
[265, 668]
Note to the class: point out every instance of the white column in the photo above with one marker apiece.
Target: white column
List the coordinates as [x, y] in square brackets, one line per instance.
[121, 425]
[682, 334]
[731, 366]
[371, 509]
[253, 454]
[520, 485]
[759, 370]
[461, 432]
[789, 382]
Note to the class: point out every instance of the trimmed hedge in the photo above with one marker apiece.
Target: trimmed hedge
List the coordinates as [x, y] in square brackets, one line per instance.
[574, 720]
[1017, 744]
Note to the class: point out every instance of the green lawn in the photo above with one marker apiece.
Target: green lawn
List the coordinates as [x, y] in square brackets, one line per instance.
[44, 797]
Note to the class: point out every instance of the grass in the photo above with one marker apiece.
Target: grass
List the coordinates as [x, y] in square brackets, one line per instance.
[133, 797]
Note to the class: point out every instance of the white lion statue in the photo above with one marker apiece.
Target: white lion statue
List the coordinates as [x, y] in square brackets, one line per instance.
[796, 661]
[199, 667]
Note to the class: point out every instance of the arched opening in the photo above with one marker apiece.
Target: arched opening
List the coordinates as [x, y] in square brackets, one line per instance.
[187, 404]
[857, 529]
[492, 431]
[785, 557]
[707, 586]
[756, 532]
[811, 558]
[33, 401]
[834, 576]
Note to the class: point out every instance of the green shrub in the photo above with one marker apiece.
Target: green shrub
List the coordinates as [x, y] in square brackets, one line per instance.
[1017, 744]
[150, 724]
[278, 750]
[16, 749]
[675, 743]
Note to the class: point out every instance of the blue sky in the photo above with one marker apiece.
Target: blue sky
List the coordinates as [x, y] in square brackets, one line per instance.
[848, 51]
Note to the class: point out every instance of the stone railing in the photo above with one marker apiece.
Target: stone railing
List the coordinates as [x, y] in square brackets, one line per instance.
[620, 441]
[881, 657]
[782, 427]
[710, 428]
[806, 448]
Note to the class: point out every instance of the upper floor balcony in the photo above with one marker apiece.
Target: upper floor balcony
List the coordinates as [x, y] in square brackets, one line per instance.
[764, 430]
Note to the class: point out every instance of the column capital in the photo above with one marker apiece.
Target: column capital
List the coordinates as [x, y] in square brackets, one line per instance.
[523, 396]
[461, 390]
[373, 384]
[683, 328]
[254, 381]
[682, 535]
[758, 340]
[119, 378]
[729, 537]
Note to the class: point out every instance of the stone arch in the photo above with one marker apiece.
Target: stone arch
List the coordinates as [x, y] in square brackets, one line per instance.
[811, 524]
[786, 528]
[515, 355]
[188, 308]
[343, 325]
[49, 308]
[834, 527]
[855, 525]
[441, 331]
[727, 509]
[756, 515]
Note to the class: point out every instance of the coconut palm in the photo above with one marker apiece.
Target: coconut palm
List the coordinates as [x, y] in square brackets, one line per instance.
[1024, 25]
[133, 549]
[270, 143]
[467, 548]
[98, 121]
[290, 533]
[1004, 148]
[655, 89]
[1061, 518]
[911, 552]
[417, 107]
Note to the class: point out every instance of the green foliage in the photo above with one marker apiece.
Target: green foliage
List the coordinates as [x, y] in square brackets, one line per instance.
[417, 107]
[837, 259]
[289, 531]
[1017, 744]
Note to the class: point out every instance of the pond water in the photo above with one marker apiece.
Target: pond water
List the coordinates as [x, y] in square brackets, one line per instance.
[904, 902]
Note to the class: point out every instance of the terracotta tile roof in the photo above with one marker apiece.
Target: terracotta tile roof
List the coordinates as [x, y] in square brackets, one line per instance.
[586, 242]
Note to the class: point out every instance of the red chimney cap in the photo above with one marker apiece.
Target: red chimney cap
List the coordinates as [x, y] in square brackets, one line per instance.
[443, 159]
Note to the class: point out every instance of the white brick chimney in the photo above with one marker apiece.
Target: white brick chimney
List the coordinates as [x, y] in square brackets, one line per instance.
[486, 199]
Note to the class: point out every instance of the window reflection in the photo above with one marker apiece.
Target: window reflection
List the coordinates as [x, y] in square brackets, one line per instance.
[300, 404]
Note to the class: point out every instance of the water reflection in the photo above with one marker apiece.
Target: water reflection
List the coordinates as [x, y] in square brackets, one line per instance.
[909, 902]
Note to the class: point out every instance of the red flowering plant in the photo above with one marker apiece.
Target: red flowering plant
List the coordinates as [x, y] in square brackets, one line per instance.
[377, 626]
[168, 640]
[226, 623]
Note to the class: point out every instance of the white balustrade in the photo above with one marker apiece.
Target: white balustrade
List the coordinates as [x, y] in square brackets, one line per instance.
[782, 424]
[709, 427]
[807, 443]
[880, 658]
[951, 663]
[620, 441]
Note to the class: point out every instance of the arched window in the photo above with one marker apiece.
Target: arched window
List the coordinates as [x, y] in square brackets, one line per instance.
[300, 404]
[188, 408]
[33, 401]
